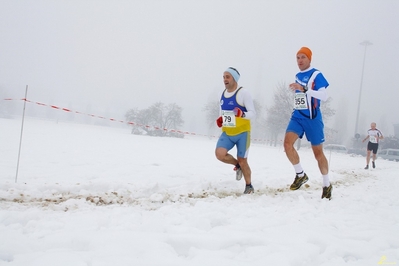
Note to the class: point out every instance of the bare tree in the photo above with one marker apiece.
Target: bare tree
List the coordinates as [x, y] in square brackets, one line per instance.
[157, 120]
[171, 115]
[278, 115]
[211, 110]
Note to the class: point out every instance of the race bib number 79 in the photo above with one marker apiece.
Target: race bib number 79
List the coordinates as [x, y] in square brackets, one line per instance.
[229, 119]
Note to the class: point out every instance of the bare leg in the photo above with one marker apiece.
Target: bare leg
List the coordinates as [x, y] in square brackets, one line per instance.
[290, 151]
[321, 158]
[246, 170]
[223, 156]
[368, 157]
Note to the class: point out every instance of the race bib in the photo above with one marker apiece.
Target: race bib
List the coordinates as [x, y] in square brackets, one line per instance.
[300, 102]
[373, 139]
[229, 119]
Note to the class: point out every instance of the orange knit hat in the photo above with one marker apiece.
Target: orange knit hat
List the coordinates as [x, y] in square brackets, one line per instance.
[306, 51]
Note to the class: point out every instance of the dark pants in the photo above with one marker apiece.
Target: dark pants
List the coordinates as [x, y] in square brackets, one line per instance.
[372, 147]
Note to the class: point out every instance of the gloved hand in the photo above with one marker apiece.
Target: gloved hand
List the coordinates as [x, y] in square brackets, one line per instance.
[238, 112]
[219, 121]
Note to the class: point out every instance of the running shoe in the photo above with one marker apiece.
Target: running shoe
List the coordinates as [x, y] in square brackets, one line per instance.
[249, 189]
[327, 192]
[367, 167]
[238, 173]
[299, 181]
[373, 164]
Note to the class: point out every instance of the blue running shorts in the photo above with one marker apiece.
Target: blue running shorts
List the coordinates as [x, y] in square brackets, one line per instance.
[313, 128]
[242, 141]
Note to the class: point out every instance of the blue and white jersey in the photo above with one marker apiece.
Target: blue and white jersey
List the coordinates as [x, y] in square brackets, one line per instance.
[314, 81]
[229, 103]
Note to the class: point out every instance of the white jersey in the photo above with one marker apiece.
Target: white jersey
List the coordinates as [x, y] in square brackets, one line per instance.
[374, 135]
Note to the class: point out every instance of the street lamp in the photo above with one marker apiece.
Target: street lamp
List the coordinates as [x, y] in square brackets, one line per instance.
[365, 44]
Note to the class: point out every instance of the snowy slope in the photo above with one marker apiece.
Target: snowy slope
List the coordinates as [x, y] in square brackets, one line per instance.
[92, 195]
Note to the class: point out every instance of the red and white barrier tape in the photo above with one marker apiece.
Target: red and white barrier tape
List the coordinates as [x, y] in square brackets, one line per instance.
[124, 122]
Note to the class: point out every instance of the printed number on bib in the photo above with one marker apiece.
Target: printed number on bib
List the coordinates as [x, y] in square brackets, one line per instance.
[229, 119]
[373, 139]
[300, 102]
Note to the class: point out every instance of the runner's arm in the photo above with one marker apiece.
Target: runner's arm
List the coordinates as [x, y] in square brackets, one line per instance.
[248, 103]
[320, 94]
[380, 136]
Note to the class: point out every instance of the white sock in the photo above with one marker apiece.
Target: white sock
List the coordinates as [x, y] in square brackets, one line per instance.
[299, 170]
[326, 181]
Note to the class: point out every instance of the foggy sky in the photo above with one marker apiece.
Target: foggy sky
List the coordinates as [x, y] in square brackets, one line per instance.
[118, 55]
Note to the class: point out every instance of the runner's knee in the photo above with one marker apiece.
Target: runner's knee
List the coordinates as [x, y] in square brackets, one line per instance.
[220, 153]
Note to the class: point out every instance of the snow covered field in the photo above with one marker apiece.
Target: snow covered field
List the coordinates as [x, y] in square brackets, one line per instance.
[96, 196]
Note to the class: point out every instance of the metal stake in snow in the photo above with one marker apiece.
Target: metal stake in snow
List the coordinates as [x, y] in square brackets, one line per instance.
[22, 130]
[329, 159]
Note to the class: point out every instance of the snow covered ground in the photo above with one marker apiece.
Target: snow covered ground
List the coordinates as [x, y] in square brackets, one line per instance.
[95, 196]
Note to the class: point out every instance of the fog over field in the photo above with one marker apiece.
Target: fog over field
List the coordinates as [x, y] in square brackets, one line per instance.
[110, 56]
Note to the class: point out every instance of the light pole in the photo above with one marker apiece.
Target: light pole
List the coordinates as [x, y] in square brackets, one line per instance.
[365, 44]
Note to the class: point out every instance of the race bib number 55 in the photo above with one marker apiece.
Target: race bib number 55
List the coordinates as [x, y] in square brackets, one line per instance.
[300, 102]
[229, 119]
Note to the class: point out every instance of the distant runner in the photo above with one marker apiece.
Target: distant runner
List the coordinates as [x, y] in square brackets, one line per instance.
[374, 135]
